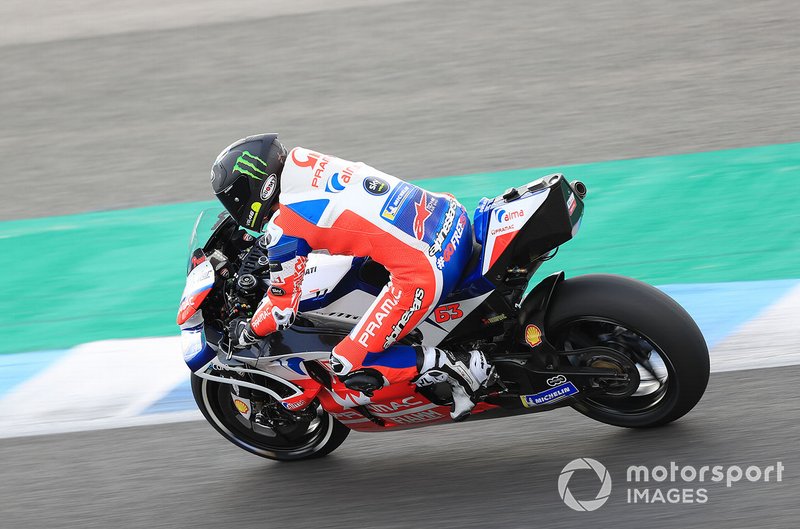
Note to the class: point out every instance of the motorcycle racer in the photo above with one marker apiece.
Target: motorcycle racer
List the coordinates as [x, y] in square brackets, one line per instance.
[306, 201]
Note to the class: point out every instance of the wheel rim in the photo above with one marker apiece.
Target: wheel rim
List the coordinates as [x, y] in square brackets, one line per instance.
[261, 439]
[657, 380]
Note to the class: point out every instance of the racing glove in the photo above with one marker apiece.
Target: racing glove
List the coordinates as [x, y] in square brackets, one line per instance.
[241, 334]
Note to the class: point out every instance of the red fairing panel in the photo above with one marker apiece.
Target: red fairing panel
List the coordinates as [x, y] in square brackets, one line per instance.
[198, 285]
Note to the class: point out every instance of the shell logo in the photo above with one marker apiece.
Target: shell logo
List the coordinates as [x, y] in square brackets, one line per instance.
[241, 406]
[533, 335]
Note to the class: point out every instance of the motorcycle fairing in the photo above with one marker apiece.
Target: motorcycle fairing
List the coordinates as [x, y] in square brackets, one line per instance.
[398, 406]
[196, 351]
[199, 283]
[506, 219]
[322, 287]
[395, 407]
[300, 358]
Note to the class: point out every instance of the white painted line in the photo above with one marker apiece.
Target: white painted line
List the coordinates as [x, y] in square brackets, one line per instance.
[24, 430]
[108, 380]
[772, 339]
[110, 384]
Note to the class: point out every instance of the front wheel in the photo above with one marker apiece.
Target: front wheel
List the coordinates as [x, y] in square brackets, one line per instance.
[258, 424]
[647, 335]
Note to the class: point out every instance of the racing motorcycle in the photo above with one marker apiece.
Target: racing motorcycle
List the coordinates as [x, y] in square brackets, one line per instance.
[613, 348]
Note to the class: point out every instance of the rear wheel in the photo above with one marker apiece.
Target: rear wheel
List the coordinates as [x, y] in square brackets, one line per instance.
[257, 423]
[645, 334]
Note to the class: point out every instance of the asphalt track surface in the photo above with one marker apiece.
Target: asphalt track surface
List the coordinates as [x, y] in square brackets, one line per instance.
[418, 89]
[415, 88]
[488, 474]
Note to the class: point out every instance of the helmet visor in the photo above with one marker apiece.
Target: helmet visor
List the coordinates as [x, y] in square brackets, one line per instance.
[236, 198]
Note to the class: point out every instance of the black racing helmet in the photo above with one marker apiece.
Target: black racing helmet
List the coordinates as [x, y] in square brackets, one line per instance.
[246, 178]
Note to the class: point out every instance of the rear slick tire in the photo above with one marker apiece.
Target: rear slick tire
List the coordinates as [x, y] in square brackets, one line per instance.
[603, 301]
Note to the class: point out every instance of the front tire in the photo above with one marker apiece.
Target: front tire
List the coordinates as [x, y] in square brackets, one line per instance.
[639, 321]
[320, 438]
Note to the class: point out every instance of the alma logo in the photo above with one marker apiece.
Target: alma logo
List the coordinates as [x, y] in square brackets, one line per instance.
[505, 216]
[334, 185]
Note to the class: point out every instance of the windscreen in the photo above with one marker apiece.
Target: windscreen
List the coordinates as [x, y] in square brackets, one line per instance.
[207, 221]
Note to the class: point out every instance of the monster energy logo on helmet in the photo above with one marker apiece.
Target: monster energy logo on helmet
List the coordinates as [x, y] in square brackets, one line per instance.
[251, 165]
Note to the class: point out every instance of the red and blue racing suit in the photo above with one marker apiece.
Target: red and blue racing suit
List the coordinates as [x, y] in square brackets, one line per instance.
[332, 205]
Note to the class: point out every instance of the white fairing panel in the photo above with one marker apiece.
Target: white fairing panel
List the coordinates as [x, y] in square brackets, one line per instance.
[323, 273]
[198, 283]
[434, 331]
[505, 222]
[192, 336]
[191, 343]
[347, 309]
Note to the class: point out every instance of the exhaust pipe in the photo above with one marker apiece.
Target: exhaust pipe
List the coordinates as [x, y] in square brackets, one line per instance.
[579, 187]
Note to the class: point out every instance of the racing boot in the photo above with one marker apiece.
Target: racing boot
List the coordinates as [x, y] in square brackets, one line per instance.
[465, 372]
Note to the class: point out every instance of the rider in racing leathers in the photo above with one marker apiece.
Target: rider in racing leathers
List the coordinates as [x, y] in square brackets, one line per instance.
[306, 201]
